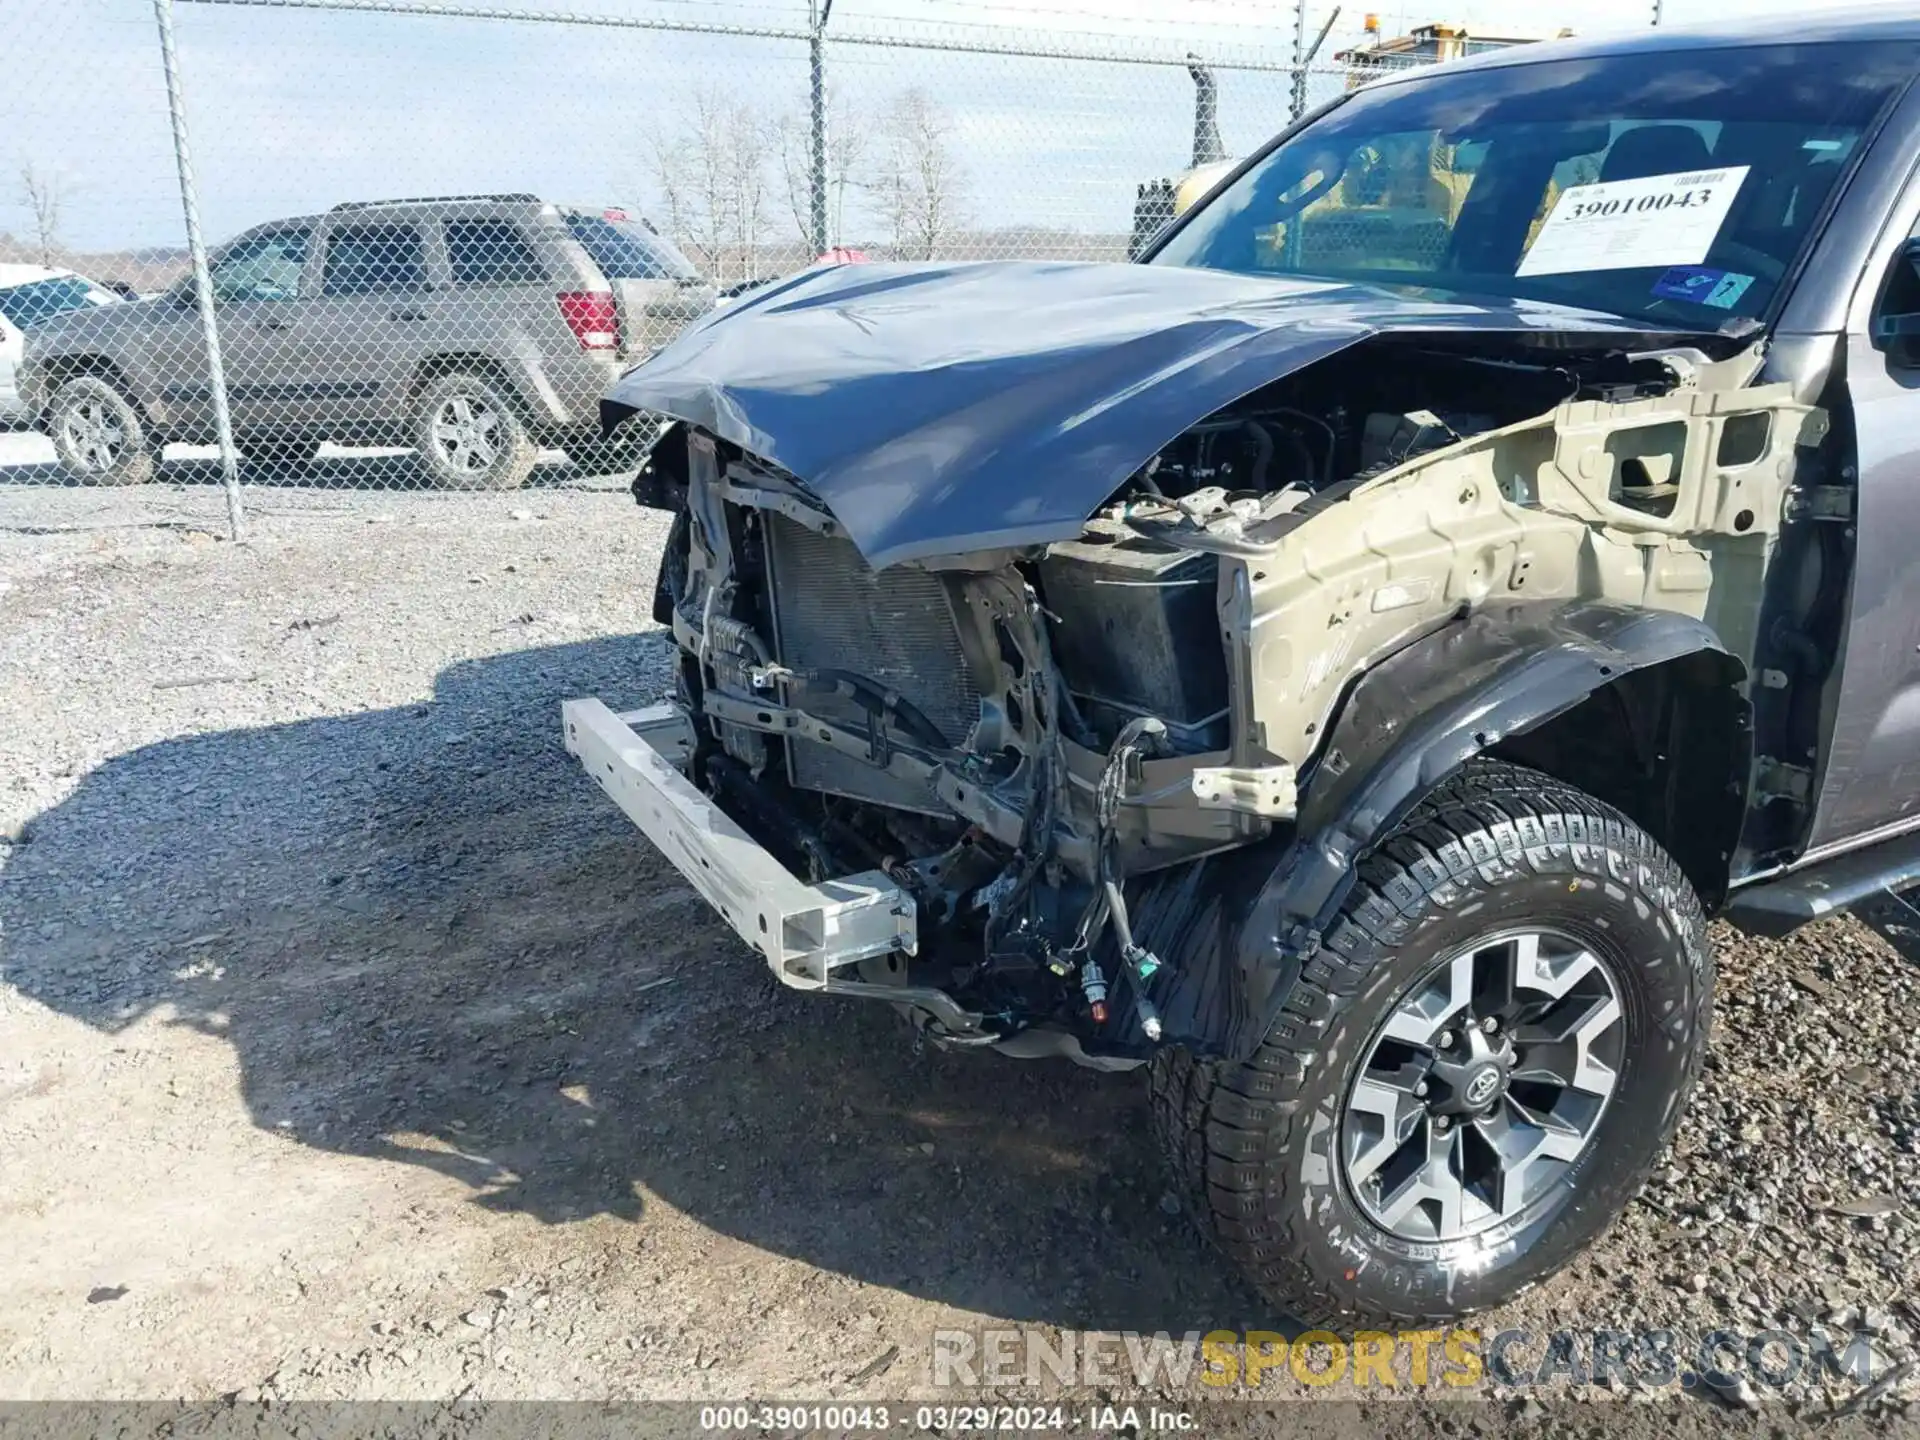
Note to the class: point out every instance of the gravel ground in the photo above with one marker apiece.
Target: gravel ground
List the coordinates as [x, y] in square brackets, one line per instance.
[351, 1045]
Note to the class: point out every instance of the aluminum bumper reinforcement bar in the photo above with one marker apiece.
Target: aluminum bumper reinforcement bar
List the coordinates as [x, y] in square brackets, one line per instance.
[806, 932]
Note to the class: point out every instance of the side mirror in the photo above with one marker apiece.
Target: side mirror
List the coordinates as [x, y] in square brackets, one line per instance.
[1910, 253]
[1899, 337]
[1897, 330]
[183, 297]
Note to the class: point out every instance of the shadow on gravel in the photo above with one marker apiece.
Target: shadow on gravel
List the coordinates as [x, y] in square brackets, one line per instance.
[429, 939]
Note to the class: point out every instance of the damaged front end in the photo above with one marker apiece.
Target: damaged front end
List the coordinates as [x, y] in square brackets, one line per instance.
[1008, 736]
[1035, 791]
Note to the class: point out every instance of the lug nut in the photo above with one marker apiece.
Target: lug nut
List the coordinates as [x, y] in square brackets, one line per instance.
[1446, 1039]
[1420, 1091]
[1490, 1024]
[1443, 1123]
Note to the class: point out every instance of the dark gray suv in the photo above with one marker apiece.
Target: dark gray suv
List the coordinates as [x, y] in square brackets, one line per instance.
[473, 328]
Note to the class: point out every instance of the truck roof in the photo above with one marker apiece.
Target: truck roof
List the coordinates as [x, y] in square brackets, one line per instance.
[1855, 25]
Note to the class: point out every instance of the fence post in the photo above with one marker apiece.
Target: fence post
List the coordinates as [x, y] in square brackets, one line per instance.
[1299, 59]
[817, 178]
[202, 279]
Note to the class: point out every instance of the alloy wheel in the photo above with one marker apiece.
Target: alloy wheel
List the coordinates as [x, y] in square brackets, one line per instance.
[1485, 1083]
[466, 433]
[95, 435]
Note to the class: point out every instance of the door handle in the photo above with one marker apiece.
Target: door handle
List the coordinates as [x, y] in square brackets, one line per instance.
[406, 315]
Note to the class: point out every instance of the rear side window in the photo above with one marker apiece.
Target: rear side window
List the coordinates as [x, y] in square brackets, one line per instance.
[626, 251]
[491, 252]
[374, 260]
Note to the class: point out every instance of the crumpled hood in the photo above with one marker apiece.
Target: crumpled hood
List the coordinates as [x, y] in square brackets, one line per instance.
[941, 409]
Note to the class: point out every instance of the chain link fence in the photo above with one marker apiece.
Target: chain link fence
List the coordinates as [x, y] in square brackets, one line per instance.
[437, 231]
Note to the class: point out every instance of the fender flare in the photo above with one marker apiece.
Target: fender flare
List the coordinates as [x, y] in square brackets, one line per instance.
[1498, 673]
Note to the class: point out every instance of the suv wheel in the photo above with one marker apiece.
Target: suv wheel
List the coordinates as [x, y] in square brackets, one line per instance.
[1473, 1075]
[99, 435]
[469, 437]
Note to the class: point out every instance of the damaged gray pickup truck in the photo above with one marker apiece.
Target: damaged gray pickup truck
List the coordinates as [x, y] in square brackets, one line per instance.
[1341, 661]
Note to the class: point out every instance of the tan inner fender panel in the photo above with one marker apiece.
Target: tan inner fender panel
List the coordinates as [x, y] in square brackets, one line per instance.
[1671, 503]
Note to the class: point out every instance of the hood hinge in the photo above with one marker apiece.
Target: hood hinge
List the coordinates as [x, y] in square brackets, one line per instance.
[1821, 502]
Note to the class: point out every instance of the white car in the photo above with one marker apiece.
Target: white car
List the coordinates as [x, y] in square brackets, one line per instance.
[28, 295]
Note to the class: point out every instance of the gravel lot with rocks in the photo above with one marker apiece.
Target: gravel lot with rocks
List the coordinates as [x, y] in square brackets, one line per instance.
[351, 1045]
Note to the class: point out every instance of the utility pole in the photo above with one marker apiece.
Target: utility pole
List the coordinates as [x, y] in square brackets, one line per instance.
[1304, 54]
[202, 277]
[1658, 7]
[818, 11]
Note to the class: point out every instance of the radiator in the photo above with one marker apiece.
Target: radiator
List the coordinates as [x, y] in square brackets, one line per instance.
[832, 611]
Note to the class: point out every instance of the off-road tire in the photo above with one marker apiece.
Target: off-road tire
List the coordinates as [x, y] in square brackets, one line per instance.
[89, 406]
[512, 451]
[1253, 1146]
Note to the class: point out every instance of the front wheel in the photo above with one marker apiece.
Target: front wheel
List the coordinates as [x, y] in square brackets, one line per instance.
[99, 435]
[1472, 1077]
[470, 437]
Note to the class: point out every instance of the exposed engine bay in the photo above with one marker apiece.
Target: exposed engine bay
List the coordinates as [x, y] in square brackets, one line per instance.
[1034, 741]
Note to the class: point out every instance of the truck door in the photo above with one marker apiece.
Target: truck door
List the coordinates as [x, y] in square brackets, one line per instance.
[1872, 772]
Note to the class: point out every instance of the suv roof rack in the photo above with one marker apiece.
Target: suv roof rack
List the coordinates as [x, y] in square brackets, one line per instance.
[432, 200]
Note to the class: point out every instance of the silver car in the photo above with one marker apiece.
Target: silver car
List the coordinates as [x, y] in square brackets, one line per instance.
[475, 329]
[30, 295]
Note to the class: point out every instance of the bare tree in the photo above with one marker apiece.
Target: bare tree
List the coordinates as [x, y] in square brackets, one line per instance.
[706, 149]
[711, 175]
[846, 153]
[42, 195]
[748, 139]
[921, 185]
[667, 168]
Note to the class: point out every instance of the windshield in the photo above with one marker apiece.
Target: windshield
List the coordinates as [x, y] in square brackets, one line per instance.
[38, 300]
[626, 251]
[1667, 186]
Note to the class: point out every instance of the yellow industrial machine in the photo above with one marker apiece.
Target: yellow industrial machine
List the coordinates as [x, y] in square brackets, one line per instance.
[1159, 201]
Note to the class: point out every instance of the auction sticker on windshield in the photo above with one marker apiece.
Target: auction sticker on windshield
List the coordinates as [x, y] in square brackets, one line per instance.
[1663, 220]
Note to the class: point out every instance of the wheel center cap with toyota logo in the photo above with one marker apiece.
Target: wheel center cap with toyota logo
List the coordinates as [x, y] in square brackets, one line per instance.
[1484, 1085]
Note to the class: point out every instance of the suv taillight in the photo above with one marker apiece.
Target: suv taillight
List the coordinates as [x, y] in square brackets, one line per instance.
[591, 317]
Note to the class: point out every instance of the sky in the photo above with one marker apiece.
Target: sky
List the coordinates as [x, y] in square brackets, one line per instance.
[293, 110]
